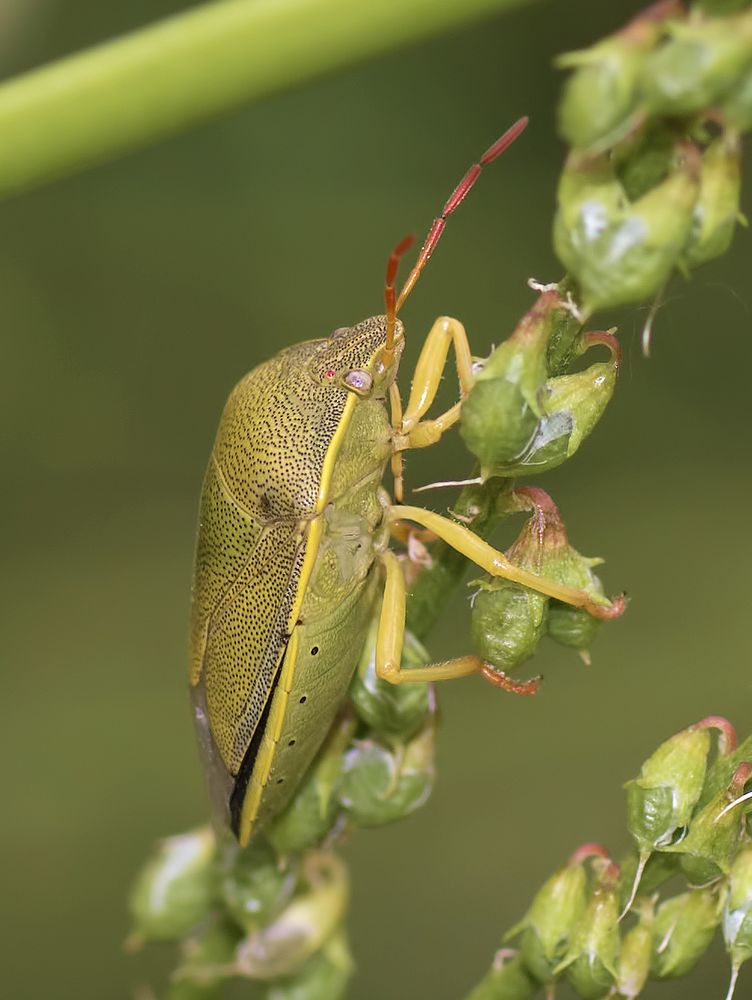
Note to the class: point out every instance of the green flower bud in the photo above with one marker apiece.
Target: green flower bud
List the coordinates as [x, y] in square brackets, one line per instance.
[697, 65]
[313, 810]
[593, 955]
[500, 414]
[556, 909]
[661, 800]
[380, 786]
[621, 251]
[394, 711]
[572, 627]
[737, 105]
[573, 405]
[543, 547]
[684, 927]
[325, 976]
[206, 963]
[175, 890]
[717, 210]
[645, 159]
[507, 979]
[507, 622]
[724, 767]
[636, 950]
[711, 844]
[517, 420]
[256, 886]
[601, 96]
[737, 915]
[296, 934]
[585, 394]
[601, 99]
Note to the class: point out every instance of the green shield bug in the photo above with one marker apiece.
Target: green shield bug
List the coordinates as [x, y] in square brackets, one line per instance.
[293, 552]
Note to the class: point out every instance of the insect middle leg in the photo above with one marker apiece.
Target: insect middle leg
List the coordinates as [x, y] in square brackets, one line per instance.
[410, 430]
[390, 637]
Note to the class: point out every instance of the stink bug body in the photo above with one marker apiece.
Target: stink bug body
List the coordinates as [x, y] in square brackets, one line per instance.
[293, 549]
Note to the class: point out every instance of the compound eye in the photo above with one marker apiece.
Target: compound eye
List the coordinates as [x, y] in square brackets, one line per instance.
[341, 331]
[360, 381]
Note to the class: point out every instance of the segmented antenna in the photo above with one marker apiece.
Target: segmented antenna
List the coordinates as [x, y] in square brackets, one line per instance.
[392, 266]
[453, 202]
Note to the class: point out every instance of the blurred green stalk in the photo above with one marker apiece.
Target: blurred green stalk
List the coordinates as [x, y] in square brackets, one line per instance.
[94, 106]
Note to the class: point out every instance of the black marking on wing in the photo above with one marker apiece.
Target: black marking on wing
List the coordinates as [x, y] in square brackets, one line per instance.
[246, 768]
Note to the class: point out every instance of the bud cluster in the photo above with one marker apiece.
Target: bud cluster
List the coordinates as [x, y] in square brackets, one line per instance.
[531, 405]
[274, 912]
[604, 927]
[525, 413]
[508, 620]
[653, 115]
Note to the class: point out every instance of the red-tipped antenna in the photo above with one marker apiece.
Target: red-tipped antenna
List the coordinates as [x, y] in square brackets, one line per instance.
[392, 266]
[453, 202]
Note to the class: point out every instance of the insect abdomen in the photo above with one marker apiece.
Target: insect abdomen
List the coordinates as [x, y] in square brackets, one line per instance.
[312, 686]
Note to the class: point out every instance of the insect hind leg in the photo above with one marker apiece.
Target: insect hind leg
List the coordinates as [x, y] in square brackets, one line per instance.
[390, 637]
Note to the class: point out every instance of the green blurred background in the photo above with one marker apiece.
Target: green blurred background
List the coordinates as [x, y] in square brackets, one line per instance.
[135, 295]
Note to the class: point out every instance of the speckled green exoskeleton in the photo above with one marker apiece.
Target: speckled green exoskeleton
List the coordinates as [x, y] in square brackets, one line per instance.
[293, 549]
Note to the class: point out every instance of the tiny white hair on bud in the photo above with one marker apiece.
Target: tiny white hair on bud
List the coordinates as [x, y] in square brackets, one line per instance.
[449, 482]
[573, 309]
[647, 330]
[539, 286]
[644, 858]
[733, 805]
[732, 984]
[667, 937]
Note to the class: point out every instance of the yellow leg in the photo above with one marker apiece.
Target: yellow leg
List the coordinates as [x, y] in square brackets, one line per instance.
[410, 430]
[497, 564]
[427, 432]
[398, 465]
[390, 637]
[444, 332]
[404, 533]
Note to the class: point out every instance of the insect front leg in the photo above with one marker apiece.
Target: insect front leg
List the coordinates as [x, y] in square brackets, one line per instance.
[410, 430]
[390, 637]
[444, 333]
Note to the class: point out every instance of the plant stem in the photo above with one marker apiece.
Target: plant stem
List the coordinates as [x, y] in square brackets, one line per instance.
[96, 105]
